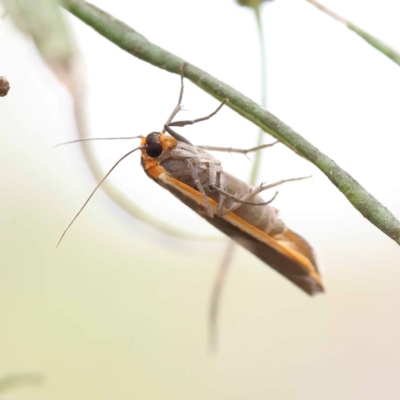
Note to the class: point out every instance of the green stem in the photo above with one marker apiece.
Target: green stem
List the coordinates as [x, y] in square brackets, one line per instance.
[263, 62]
[373, 41]
[134, 43]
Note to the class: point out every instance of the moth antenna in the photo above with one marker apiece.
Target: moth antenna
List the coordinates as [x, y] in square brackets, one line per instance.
[90, 139]
[94, 191]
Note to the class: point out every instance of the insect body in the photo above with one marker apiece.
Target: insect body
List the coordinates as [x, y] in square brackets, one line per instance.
[193, 175]
[197, 178]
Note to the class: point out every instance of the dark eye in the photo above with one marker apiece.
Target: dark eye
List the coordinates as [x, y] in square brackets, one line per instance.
[154, 150]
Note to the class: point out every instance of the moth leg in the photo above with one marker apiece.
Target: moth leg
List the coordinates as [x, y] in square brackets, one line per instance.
[176, 135]
[222, 195]
[178, 107]
[212, 183]
[245, 198]
[213, 176]
[196, 180]
[193, 121]
[241, 151]
[260, 189]
[212, 173]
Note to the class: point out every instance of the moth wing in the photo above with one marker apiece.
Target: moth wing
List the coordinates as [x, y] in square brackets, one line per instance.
[274, 253]
[289, 254]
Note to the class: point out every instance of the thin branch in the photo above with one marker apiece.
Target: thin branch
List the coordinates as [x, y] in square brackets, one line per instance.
[134, 43]
[263, 64]
[373, 41]
[216, 295]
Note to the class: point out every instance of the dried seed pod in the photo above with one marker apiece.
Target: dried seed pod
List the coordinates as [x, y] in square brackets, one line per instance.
[4, 86]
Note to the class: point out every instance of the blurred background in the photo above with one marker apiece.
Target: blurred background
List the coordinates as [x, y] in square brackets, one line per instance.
[119, 309]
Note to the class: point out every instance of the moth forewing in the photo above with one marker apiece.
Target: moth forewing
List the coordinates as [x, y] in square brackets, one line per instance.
[256, 228]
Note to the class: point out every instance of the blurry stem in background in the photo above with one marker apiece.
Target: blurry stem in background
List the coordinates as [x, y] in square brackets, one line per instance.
[136, 44]
[373, 41]
[223, 268]
[263, 64]
[13, 381]
[215, 300]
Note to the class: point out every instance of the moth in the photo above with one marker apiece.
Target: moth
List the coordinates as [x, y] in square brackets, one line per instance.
[198, 180]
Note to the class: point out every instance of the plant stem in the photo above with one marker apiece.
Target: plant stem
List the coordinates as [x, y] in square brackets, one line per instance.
[263, 63]
[373, 41]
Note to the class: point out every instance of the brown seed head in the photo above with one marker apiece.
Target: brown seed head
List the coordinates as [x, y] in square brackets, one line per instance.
[4, 86]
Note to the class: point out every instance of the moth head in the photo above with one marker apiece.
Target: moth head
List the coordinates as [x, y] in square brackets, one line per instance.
[155, 143]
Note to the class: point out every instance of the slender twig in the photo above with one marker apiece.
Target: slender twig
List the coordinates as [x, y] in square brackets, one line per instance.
[263, 85]
[216, 294]
[373, 41]
[134, 43]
